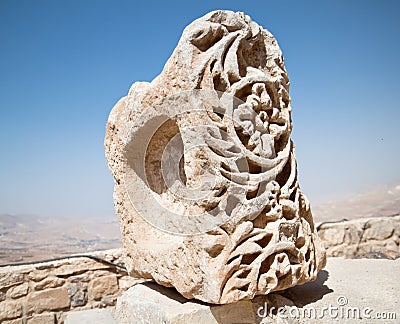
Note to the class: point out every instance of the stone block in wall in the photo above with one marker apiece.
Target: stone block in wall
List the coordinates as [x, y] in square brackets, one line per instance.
[107, 301]
[10, 278]
[362, 238]
[101, 286]
[375, 229]
[127, 282]
[353, 233]
[2, 296]
[18, 291]
[77, 293]
[49, 282]
[38, 275]
[48, 300]
[79, 268]
[42, 319]
[342, 250]
[334, 236]
[100, 273]
[84, 277]
[10, 310]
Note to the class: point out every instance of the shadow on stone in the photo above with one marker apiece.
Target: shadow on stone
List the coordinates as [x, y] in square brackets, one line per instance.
[309, 292]
[255, 311]
[170, 293]
[152, 301]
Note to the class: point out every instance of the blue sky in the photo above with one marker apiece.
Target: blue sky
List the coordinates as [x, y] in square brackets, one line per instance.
[64, 64]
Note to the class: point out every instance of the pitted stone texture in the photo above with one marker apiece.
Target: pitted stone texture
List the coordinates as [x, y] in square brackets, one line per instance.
[205, 172]
[42, 319]
[10, 310]
[103, 286]
[51, 299]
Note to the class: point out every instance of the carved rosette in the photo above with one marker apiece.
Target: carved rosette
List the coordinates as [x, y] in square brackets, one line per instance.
[205, 172]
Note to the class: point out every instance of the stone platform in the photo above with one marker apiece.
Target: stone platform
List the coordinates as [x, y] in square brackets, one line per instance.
[351, 291]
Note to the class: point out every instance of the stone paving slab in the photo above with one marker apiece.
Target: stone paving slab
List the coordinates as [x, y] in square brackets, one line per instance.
[347, 291]
[91, 316]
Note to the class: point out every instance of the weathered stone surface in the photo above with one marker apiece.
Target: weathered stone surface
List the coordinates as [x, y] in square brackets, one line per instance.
[205, 171]
[126, 282]
[98, 316]
[10, 310]
[38, 275]
[102, 286]
[330, 299]
[2, 296]
[42, 319]
[151, 304]
[14, 321]
[18, 291]
[375, 229]
[77, 293]
[80, 278]
[47, 300]
[49, 282]
[10, 278]
[107, 301]
[362, 238]
[84, 265]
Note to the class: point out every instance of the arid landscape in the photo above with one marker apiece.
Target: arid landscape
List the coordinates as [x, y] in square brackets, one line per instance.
[25, 238]
[382, 201]
[30, 238]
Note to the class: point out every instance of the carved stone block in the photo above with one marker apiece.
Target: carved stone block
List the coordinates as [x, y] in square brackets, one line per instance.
[205, 172]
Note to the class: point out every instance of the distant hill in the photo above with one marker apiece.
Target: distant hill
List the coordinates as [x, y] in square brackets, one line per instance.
[382, 201]
[28, 237]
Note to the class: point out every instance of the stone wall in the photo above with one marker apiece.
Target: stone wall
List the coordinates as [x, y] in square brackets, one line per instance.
[44, 292]
[377, 237]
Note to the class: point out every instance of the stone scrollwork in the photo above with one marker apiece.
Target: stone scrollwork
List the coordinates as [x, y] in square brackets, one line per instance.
[205, 172]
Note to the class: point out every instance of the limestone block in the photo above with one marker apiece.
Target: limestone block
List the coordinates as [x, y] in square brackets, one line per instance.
[149, 303]
[49, 282]
[98, 316]
[10, 310]
[333, 235]
[11, 278]
[84, 277]
[126, 282]
[14, 321]
[205, 171]
[107, 301]
[2, 296]
[365, 237]
[77, 293]
[378, 230]
[18, 291]
[42, 319]
[50, 299]
[38, 275]
[102, 286]
[77, 268]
